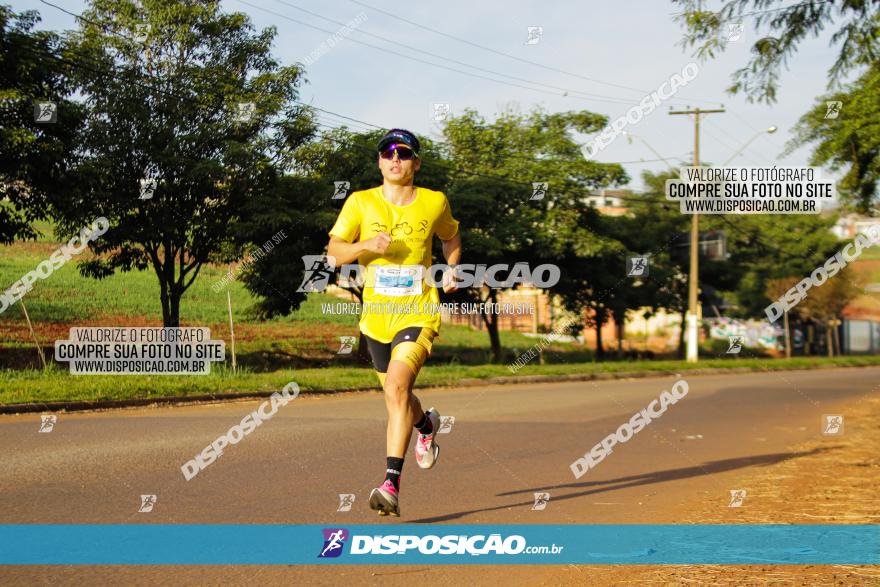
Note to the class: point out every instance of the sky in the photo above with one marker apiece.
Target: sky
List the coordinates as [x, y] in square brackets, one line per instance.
[616, 46]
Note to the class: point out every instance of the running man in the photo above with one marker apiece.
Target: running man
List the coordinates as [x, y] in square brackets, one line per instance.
[389, 230]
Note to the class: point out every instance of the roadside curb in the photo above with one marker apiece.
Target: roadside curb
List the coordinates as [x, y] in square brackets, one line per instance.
[83, 406]
[606, 376]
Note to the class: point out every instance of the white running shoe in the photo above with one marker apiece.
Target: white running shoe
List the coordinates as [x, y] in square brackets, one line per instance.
[383, 499]
[427, 450]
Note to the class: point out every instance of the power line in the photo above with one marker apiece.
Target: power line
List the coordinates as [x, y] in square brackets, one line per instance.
[514, 57]
[558, 91]
[342, 116]
[726, 144]
[447, 167]
[458, 170]
[386, 39]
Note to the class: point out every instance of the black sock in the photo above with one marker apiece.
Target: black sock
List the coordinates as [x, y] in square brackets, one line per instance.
[394, 467]
[424, 425]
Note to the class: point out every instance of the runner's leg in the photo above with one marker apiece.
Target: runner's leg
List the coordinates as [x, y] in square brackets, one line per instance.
[397, 365]
[404, 408]
[409, 350]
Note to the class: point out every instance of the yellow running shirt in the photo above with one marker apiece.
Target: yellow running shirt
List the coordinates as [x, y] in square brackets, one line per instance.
[396, 293]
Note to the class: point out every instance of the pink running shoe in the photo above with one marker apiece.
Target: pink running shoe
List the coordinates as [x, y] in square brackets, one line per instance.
[383, 499]
[427, 450]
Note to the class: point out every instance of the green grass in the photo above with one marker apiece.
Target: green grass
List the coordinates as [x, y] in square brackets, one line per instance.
[869, 273]
[305, 338]
[871, 254]
[67, 296]
[56, 385]
[270, 353]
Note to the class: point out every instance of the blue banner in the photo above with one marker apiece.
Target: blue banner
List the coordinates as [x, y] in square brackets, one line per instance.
[268, 544]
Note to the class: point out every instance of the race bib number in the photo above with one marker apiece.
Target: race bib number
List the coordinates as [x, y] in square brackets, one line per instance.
[399, 280]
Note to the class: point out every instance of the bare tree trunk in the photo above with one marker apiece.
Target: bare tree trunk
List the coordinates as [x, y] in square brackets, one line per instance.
[787, 336]
[495, 340]
[174, 307]
[837, 340]
[600, 350]
[491, 322]
[829, 342]
[619, 323]
[680, 351]
[163, 297]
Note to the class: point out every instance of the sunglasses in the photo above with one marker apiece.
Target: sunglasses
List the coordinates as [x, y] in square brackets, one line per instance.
[404, 153]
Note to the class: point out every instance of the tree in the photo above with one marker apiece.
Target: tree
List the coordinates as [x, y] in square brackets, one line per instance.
[659, 228]
[304, 199]
[767, 247]
[162, 83]
[593, 287]
[824, 304]
[787, 25]
[776, 288]
[34, 156]
[849, 140]
[491, 185]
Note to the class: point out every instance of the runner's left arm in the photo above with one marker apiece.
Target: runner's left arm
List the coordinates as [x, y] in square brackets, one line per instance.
[452, 253]
[448, 232]
[452, 249]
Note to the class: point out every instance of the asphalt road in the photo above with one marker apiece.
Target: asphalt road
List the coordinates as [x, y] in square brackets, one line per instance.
[507, 442]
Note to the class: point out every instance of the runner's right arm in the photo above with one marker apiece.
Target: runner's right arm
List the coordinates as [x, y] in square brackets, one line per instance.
[346, 252]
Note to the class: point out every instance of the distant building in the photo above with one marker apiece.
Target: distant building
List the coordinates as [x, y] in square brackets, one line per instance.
[847, 227]
[608, 201]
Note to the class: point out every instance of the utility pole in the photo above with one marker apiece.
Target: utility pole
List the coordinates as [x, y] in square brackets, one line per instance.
[693, 338]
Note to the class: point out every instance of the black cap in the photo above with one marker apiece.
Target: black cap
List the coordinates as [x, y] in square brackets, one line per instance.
[399, 135]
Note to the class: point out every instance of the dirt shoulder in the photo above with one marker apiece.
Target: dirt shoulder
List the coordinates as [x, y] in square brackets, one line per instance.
[834, 483]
